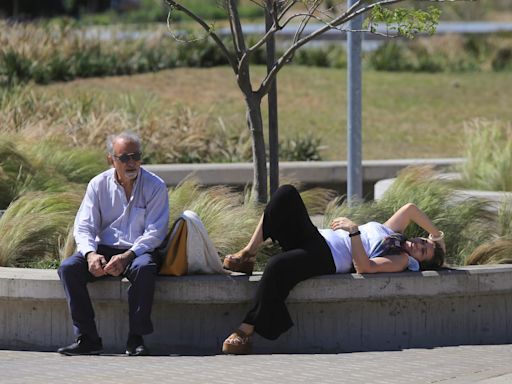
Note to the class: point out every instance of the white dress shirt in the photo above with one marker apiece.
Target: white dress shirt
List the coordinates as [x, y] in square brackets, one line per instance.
[107, 217]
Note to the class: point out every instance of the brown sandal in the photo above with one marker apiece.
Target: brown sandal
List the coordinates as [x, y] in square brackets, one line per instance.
[242, 261]
[240, 343]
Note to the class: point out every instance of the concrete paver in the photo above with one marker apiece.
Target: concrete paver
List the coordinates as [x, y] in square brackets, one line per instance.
[489, 364]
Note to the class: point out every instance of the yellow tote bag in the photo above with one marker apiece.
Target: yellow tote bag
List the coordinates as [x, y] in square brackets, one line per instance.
[175, 259]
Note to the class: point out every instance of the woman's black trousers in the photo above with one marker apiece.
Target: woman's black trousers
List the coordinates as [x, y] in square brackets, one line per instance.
[306, 254]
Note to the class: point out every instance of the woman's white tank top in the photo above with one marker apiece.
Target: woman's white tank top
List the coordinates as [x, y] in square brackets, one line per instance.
[372, 234]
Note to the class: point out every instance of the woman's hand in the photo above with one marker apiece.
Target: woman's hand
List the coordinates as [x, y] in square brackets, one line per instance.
[438, 239]
[343, 223]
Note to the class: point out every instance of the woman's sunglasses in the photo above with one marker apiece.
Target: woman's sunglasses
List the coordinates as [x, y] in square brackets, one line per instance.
[126, 157]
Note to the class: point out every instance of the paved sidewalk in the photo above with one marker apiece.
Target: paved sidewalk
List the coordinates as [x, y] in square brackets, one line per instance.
[490, 364]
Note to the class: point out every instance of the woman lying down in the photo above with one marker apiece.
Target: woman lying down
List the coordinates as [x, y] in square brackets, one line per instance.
[309, 251]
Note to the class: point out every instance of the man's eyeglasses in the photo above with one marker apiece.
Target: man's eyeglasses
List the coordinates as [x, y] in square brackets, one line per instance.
[126, 157]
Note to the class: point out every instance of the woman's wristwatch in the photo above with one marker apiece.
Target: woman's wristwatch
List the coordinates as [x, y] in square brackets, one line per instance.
[436, 238]
[356, 233]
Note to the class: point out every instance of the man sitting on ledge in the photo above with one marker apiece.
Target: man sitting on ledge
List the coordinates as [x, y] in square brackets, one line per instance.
[123, 218]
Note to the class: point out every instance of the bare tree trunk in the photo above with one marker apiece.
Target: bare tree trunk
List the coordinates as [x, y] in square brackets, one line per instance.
[259, 158]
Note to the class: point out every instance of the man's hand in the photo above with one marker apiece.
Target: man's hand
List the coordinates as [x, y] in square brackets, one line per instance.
[118, 263]
[343, 223]
[96, 264]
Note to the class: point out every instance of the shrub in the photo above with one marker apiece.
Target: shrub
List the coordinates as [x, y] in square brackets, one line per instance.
[337, 58]
[451, 53]
[488, 153]
[61, 51]
[477, 46]
[390, 57]
[200, 53]
[301, 148]
[428, 62]
[15, 66]
[503, 59]
[314, 57]
[330, 56]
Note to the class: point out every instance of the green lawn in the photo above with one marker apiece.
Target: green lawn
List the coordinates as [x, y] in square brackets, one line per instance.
[404, 114]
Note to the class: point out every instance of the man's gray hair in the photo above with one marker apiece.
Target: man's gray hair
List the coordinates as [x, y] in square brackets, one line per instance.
[127, 136]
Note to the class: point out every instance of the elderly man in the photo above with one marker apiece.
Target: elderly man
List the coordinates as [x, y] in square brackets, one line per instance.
[123, 218]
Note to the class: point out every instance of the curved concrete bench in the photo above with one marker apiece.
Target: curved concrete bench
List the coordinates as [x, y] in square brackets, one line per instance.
[334, 313]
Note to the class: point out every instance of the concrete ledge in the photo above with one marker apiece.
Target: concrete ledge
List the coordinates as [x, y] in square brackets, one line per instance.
[494, 198]
[308, 172]
[334, 313]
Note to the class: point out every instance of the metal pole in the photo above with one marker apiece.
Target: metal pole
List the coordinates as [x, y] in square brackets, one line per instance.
[354, 107]
[15, 9]
[273, 128]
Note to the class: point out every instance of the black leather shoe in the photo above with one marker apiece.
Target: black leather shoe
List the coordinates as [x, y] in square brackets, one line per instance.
[83, 346]
[135, 346]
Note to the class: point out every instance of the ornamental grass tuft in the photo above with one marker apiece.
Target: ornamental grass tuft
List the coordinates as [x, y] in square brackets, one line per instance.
[43, 165]
[35, 230]
[497, 250]
[488, 153]
[171, 135]
[228, 219]
[34, 226]
[15, 172]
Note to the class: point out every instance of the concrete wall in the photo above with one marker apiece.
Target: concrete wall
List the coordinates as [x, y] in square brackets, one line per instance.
[335, 313]
[494, 199]
[328, 174]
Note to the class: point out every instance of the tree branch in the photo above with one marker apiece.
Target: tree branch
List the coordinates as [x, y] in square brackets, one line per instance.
[304, 22]
[207, 28]
[275, 11]
[236, 29]
[275, 28]
[349, 14]
[285, 9]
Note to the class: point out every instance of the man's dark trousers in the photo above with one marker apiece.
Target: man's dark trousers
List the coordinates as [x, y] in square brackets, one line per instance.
[74, 274]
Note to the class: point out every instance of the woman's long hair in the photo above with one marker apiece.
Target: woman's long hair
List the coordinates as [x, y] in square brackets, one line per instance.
[393, 245]
[436, 262]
